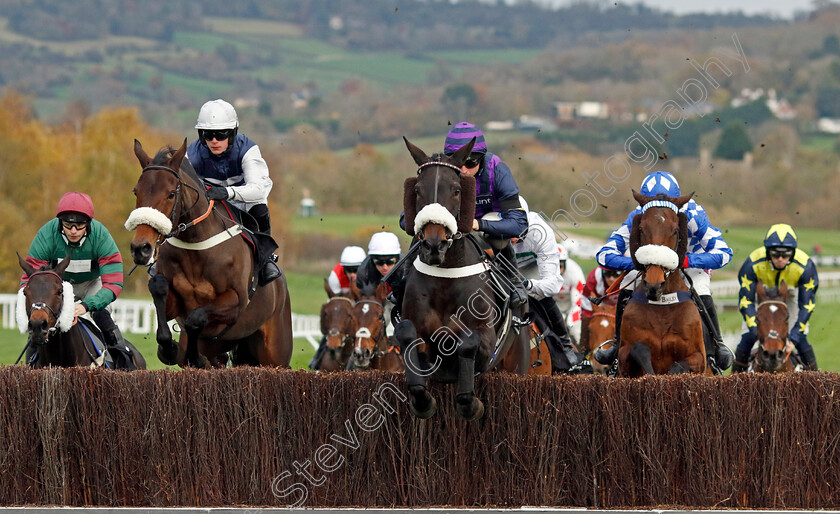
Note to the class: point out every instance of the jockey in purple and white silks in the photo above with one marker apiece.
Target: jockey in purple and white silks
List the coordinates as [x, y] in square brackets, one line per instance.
[706, 251]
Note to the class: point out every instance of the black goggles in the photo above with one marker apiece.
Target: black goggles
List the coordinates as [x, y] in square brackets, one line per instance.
[775, 253]
[351, 269]
[74, 225]
[473, 160]
[218, 135]
[611, 273]
[381, 261]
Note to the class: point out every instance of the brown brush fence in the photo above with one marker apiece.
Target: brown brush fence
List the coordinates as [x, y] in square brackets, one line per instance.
[248, 437]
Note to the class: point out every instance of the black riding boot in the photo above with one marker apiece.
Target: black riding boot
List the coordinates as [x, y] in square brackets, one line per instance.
[723, 355]
[548, 308]
[809, 360]
[611, 354]
[111, 335]
[315, 363]
[270, 271]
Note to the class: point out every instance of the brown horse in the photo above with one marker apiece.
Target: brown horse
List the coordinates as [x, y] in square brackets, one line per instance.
[661, 330]
[771, 314]
[46, 312]
[204, 272]
[601, 328]
[373, 349]
[450, 316]
[338, 326]
[540, 358]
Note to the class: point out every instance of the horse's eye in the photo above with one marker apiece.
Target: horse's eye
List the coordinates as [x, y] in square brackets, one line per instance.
[172, 195]
[417, 191]
[134, 191]
[457, 191]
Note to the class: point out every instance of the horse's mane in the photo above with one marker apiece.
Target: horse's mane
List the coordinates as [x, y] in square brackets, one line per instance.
[368, 290]
[164, 154]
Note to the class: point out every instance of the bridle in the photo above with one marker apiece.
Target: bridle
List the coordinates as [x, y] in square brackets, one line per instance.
[34, 306]
[179, 227]
[773, 334]
[450, 238]
[346, 338]
[364, 333]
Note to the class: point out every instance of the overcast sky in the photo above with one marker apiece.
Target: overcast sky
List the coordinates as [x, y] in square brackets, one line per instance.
[782, 8]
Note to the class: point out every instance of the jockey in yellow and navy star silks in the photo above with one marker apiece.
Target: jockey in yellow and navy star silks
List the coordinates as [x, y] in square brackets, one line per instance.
[779, 260]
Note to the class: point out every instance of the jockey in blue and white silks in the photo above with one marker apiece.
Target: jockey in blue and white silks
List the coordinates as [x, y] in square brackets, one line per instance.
[706, 251]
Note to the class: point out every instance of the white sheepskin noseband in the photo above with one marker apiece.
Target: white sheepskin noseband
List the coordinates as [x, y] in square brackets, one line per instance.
[65, 317]
[149, 216]
[435, 213]
[657, 255]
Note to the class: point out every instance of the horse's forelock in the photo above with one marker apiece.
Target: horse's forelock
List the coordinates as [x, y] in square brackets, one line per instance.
[163, 155]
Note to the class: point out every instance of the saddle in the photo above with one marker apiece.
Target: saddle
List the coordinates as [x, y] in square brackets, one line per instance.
[262, 245]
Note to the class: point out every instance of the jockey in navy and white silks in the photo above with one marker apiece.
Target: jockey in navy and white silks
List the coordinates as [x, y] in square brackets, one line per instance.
[233, 167]
[240, 169]
[706, 249]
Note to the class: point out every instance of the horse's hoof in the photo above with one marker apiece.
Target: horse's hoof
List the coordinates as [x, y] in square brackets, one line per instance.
[473, 411]
[426, 413]
[168, 354]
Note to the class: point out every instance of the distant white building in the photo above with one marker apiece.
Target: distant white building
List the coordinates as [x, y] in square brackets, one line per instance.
[829, 125]
[780, 107]
[568, 111]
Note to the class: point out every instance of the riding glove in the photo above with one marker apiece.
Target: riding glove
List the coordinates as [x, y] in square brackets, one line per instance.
[217, 193]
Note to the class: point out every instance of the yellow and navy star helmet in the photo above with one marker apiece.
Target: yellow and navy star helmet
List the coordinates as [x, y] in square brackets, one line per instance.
[780, 234]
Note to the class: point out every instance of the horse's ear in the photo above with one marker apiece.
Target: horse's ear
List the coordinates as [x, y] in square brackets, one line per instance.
[355, 294]
[381, 292]
[636, 239]
[410, 204]
[460, 156]
[329, 291]
[682, 244]
[642, 199]
[467, 213]
[62, 266]
[417, 154]
[177, 157]
[760, 294]
[783, 290]
[682, 200]
[25, 266]
[141, 154]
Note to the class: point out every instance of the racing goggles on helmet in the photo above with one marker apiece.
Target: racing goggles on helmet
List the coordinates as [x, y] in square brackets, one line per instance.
[473, 160]
[350, 269]
[218, 135]
[780, 251]
[382, 260]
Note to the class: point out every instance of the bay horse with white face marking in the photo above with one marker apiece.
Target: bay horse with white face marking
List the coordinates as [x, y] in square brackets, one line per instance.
[661, 329]
[771, 315]
[205, 267]
[372, 348]
[450, 317]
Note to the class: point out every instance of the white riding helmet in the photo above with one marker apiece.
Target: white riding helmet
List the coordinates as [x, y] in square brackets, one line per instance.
[352, 256]
[384, 243]
[564, 254]
[217, 115]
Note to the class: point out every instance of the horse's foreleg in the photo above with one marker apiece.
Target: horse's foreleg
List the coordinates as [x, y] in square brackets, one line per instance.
[417, 368]
[469, 407]
[640, 355]
[194, 325]
[167, 349]
[694, 363]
